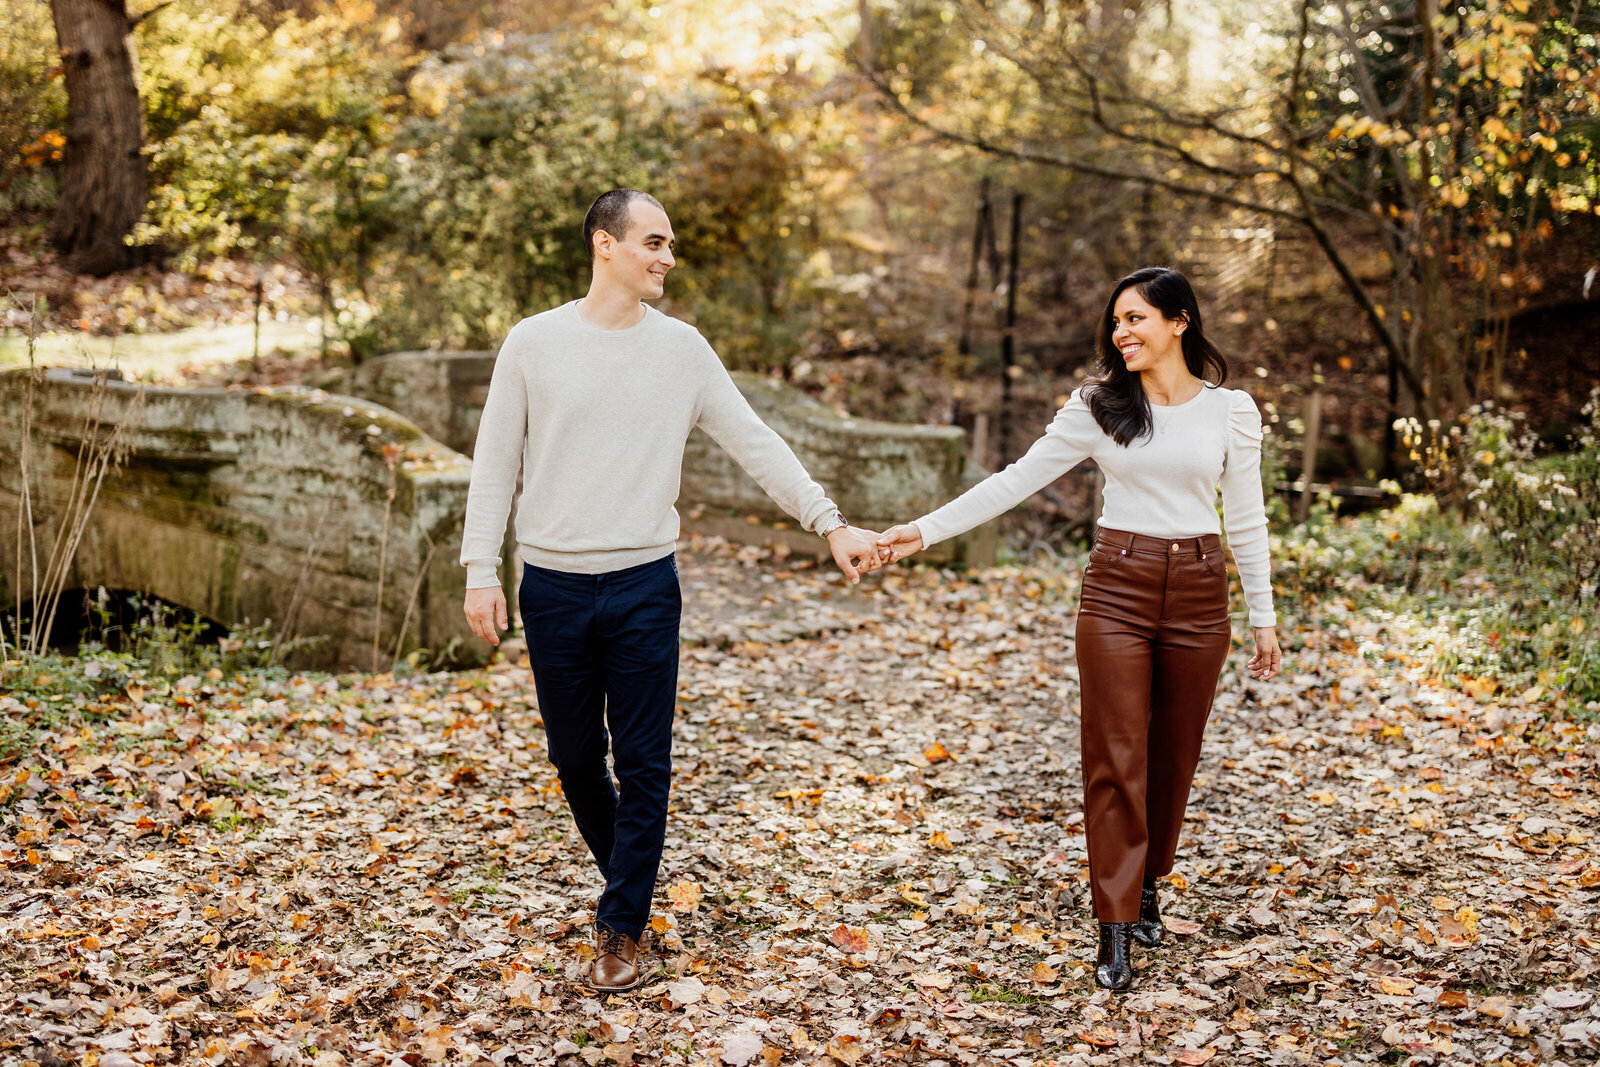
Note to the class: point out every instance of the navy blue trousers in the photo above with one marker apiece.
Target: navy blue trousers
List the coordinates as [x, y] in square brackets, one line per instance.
[604, 651]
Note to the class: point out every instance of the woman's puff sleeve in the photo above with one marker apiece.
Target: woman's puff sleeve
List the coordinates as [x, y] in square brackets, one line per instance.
[1244, 513]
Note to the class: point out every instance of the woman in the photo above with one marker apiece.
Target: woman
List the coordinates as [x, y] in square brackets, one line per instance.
[1152, 630]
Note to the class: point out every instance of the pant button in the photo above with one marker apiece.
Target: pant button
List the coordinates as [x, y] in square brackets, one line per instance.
[1174, 546]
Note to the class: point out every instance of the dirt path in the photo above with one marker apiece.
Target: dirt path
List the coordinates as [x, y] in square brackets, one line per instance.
[875, 855]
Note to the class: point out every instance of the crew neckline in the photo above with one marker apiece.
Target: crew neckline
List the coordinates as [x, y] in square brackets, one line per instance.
[587, 325]
[1178, 407]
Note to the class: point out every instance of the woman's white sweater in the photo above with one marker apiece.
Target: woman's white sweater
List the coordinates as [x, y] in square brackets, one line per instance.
[1163, 485]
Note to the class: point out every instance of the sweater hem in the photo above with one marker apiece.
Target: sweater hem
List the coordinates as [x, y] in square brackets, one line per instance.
[594, 561]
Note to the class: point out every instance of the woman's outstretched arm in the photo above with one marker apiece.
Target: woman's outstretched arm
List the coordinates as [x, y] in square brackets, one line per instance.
[1068, 440]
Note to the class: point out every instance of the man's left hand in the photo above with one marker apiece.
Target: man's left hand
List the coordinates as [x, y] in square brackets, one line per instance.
[855, 550]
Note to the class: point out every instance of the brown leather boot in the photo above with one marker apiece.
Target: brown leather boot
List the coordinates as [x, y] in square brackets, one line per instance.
[616, 964]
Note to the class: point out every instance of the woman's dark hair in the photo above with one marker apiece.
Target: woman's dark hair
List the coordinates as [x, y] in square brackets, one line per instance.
[1116, 396]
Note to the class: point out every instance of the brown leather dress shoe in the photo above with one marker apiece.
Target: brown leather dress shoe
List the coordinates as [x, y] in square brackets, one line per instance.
[616, 965]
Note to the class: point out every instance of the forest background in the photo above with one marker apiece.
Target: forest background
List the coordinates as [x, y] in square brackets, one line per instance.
[912, 210]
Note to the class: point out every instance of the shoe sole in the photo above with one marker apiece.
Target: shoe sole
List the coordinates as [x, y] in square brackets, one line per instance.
[635, 984]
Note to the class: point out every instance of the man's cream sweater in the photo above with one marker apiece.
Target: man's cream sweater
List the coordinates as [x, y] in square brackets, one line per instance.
[597, 420]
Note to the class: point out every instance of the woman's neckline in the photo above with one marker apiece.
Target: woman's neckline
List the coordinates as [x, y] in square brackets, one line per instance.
[1183, 404]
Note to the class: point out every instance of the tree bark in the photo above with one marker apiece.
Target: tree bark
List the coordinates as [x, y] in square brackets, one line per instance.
[104, 185]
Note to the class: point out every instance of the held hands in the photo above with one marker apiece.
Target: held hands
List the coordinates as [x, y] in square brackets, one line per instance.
[856, 551]
[1268, 658]
[486, 609]
[898, 542]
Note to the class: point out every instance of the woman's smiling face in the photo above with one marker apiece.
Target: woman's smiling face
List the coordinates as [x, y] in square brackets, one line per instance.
[1144, 336]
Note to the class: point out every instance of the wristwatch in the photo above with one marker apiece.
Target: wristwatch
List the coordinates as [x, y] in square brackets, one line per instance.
[830, 523]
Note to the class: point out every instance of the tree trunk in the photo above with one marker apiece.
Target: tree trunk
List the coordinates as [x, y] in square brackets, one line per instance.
[103, 184]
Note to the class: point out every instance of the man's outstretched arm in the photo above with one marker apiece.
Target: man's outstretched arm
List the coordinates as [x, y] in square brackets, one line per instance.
[727, 416]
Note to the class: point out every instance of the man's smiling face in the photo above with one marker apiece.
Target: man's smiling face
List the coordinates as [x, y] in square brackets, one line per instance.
[641, 258]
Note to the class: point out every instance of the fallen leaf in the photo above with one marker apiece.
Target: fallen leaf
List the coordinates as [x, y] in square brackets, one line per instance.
[683, 992]
[1193, 1057]
[912, 897]
[1495, 1007]
[436, 1042]
[685, 896]
[1566, 999]
[740, 1047]
[851, 940]
[1100, 1037]
[847, 1049]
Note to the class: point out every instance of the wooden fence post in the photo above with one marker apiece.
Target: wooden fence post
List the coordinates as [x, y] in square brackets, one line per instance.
[1308, 447]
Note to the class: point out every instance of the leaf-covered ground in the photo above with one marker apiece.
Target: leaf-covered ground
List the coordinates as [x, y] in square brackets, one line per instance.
[875, 855]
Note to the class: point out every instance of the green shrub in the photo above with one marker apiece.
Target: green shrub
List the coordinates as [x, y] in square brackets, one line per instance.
[33, 107]
[158, 645]
[440, 201]
[515, 140]
[1496, 567]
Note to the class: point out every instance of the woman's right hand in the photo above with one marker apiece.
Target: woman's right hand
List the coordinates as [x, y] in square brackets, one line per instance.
[898, 542]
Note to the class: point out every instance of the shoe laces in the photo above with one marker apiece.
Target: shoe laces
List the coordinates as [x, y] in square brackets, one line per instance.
[612, 942]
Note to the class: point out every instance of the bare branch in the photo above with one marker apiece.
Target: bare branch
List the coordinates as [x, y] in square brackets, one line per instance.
[1193, 121]
[135, 20]
[1079, 166]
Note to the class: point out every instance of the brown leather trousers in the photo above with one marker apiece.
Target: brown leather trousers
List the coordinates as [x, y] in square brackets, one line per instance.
[1152, 636]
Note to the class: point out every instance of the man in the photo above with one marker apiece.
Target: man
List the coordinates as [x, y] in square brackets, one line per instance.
[594, 400]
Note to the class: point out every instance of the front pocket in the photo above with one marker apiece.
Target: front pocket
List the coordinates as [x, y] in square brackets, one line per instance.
[1214, 564]
[1106, 557]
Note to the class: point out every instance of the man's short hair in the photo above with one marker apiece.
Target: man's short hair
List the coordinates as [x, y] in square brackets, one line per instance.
[610, 212]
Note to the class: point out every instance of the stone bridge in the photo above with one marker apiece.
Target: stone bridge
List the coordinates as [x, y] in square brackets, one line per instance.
[335, 517]
[243, 506]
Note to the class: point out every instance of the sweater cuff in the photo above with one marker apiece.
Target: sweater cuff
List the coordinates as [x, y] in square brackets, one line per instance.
[928, 531]
[482, 576]
[1263, 618]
